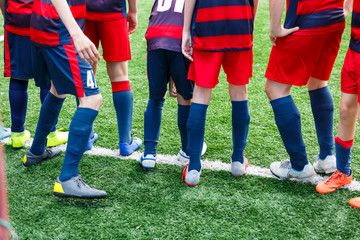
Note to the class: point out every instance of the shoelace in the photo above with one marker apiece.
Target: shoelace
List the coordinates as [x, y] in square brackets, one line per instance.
[336, 175]
[184, 172]
[285, 164]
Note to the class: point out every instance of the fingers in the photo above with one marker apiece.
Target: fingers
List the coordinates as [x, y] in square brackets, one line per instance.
[188, 53]
[291, 30]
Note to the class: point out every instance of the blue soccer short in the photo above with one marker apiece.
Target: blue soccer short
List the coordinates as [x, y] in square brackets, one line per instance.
[17, 56]
[161, 64]
[63, 66]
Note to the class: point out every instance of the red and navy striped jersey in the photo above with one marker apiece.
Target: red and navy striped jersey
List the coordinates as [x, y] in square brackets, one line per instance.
[17, 16]
[165, 25]
[355, 27]
[105, 10]
[223, 25]
[46, 27]
[314, 17]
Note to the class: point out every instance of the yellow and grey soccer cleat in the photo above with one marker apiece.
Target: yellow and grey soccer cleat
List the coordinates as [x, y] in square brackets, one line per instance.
[56, 138]
[32, 159]
[75, 187]
[18, 139]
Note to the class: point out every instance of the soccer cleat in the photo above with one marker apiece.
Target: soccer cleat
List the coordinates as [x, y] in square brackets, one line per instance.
[18, 139]
[238, 169]
[56, 138]
[183, 157]
[355, 202]
[91, 142]
[127, 149]
[4, 133]
[192, 178]
[327, 166]
[32, 159]
[148, 161]
[75, 187]
[283, 170]
[336, 180]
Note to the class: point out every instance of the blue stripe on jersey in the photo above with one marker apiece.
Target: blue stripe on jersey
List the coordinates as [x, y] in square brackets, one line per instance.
[317, 19]
[291, 14]
[45, 24]
[355, 21]
[219, 3]
[224, 27]
[355, 45]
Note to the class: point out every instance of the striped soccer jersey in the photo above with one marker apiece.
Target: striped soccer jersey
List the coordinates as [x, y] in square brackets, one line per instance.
[355, 27]
[105, 10]
[315, 16]
[17, 16]
[46, 27]
[223, 25]
[165, 25]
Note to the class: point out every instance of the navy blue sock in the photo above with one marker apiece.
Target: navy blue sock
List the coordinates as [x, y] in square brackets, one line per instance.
[18, 98]
[240, 128]
[49, 113]
[123, 102]
[43, 93]
[287, 118]
[79, 133]
[183, 114]
[322, 105]
[152, 124]
[343, 159]
[92, 128]
[195, 132]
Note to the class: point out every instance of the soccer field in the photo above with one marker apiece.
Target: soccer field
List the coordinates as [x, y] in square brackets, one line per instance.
[156, 204]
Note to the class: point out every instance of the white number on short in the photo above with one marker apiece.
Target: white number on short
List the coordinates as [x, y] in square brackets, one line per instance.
[90, 81]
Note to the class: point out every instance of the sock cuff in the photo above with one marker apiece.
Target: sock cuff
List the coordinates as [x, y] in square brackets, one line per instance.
[201, 109]
[120, 86]
[53, 99]
[319, 90]
[345, 144]
[86, 115]
[18, 85]
[183, 106]
[279, 101]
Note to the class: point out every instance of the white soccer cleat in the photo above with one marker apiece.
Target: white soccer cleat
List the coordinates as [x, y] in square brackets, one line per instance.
[148, 161]
[238, 169]
[283, 171]
[192, 178]
[327, 166]
[183, 157]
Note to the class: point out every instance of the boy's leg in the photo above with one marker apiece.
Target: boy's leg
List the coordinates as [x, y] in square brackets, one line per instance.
[343, 144]
[18, 97]
[123, 102]
[183, 115]
[322, 106]
[287, 118]
[240, 127]
[49, 113]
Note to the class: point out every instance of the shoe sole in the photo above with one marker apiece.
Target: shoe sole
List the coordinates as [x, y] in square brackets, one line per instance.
[62, 195]
[192, 185]
[148, 166]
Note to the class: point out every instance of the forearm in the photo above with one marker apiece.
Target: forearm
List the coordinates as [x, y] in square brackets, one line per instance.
[348, 5]
[276, 8]
[67, 18]
[256, 4]
[188, 13]
[132, 6]
[2, 6]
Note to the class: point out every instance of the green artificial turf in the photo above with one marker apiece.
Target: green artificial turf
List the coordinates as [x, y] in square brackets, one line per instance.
[156, 204]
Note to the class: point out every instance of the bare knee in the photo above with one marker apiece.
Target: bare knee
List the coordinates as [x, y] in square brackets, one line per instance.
[93, 102]
[347, 110]
[275, 90]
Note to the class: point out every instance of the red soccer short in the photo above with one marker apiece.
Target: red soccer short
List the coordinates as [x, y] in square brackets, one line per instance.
[205, 68]
[295, 59]
[114, 37]
[350, 74]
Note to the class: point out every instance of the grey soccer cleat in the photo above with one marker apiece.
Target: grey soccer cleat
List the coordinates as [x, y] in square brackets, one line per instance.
[75, 187]
[327, 165]
[283, 171]
[32, 159]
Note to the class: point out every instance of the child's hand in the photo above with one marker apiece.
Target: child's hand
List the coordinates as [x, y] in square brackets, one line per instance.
[186, 47]
[172, 90]
[86, 49]
[280, 32]
[132, 20]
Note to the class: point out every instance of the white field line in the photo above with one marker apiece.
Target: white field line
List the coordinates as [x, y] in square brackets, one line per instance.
[206, 164]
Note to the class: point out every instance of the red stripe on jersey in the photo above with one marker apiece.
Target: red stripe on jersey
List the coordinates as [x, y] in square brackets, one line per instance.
[45, 38]
[74, 66]
[223, 42]
[18, 30]
[45, 10]
[99, 16]
[19, 8]
[356, 7]
[355, 33]
[224, 13]
[78, 11]
[306, 7]
[164, 31]
[7, 70]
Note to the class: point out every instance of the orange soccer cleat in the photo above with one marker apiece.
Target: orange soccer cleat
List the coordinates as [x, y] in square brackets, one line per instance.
[336, 180]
